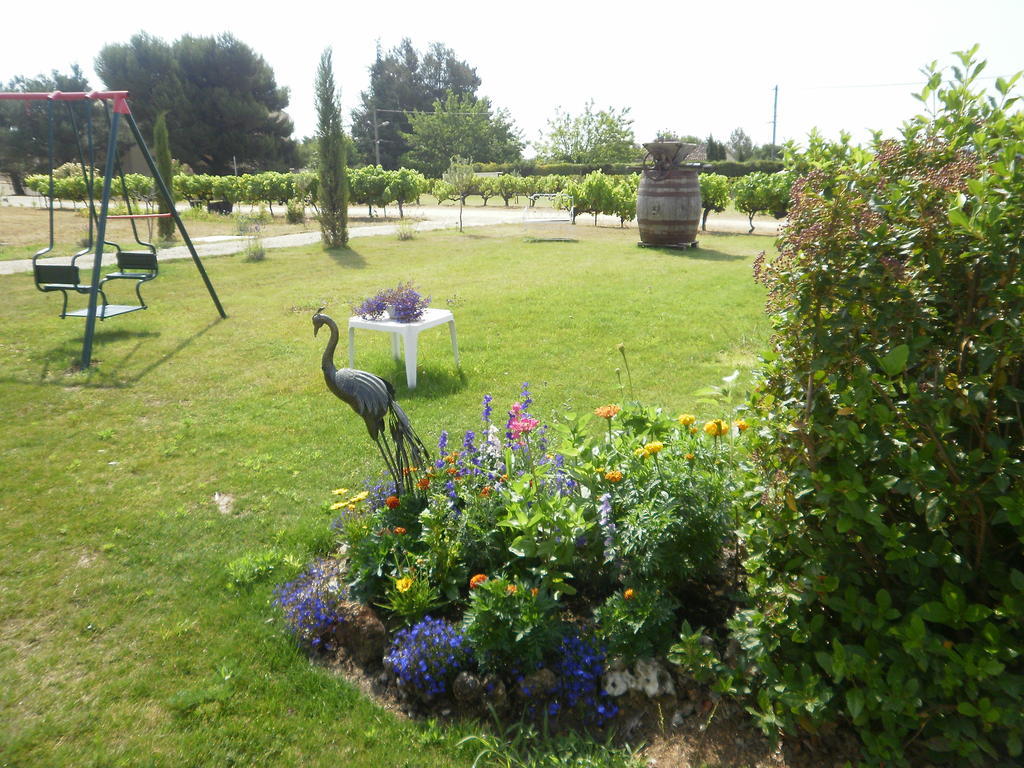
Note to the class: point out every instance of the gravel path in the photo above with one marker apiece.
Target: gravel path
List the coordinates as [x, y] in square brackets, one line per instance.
[432, 217]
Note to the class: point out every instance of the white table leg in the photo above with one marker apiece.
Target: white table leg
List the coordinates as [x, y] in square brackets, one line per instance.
[411, 341]
[455, 341]
[351, 347]
[394, 347]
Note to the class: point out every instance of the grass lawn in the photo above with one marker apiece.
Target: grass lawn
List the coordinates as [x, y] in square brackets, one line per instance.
[120, 643]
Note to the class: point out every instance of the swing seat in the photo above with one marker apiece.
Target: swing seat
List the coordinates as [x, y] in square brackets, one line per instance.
[140, 266]
[64, 278]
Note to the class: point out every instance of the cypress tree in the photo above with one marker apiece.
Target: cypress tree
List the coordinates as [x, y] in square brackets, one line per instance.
[162, 152]
[333, 187]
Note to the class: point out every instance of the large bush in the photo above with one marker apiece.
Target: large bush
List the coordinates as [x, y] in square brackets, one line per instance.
[885, 562]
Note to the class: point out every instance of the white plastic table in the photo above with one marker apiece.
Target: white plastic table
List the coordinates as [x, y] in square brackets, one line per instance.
[408, 332]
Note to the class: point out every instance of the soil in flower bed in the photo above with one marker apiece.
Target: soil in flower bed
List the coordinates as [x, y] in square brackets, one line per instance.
[690, 729]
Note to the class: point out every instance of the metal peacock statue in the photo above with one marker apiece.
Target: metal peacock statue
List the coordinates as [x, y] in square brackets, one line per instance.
[373, 398]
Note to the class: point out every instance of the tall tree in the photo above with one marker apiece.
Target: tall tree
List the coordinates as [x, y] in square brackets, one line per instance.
[460, 124]
[224, 108]
[162, 156]
[740, 145]
[24, 129]
[402, 82]
[592, 137]
[716, 149]
[333, 187]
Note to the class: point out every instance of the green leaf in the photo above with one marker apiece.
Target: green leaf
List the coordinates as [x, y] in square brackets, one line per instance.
[883, 600]
[1017, 579]
[855, 702]
[954, 599]
[966, 708]
[934, 612]
[1013, 745]
[976, 612]
[896, 360]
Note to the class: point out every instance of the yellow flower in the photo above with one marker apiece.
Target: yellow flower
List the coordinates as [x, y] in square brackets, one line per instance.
[655, 447]
[717, 428]
[689, 457]
[339, 505]
[339, 491]
[686, 419]
[741, 425]
[359, 497]
[693, 430]
[952, 381]
[615, 476]
[629, 594]
[403, 584]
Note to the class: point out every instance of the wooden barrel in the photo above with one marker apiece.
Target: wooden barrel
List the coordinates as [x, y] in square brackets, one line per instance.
[668, 206]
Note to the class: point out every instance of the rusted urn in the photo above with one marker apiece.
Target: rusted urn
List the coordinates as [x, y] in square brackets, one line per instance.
[668, 203]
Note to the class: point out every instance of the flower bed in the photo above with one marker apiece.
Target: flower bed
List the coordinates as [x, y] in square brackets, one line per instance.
[537, 569]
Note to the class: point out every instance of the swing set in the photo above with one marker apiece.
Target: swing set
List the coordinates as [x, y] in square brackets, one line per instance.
[137, 262]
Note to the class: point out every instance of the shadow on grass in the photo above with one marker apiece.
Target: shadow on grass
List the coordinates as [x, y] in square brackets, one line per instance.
[61, 364]
[431, 382]
[349, 258]
[702, 254]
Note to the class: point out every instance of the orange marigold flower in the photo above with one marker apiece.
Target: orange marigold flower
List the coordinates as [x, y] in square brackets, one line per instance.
[453, 470]
[741, 425]
[423, 483]
[503, 479]
[486, 491]
[400, 531]
[534, 591]
[511, 589]
[606, 411]
[652, 448]
[477, 580]
[451, 457]
[694, 430]
[629, 594]
[615, 476]
[717, 427]
[689, 457]
[686, 419]
[392, 502]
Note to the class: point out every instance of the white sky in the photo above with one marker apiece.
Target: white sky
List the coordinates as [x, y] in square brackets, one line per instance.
[690, 67]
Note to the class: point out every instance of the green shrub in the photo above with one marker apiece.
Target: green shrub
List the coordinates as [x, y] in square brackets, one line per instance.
[885, 569]
[295, 213]
[735, 169]
[637, 622]
[714, 194]
[510, 625]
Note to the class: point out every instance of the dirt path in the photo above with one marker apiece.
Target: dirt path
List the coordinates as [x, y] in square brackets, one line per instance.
[431, 217]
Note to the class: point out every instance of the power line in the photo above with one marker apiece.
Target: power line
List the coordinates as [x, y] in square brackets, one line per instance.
[870, 85]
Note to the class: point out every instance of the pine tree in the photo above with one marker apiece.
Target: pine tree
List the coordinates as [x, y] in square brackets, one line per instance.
[162, 152]
[333, 188]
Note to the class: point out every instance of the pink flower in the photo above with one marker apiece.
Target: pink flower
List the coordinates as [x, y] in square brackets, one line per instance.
[521, 425]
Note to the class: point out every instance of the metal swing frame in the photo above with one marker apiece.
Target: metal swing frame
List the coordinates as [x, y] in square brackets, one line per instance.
[134, 265]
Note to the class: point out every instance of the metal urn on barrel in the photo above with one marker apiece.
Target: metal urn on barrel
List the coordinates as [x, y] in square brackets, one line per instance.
[668, 201]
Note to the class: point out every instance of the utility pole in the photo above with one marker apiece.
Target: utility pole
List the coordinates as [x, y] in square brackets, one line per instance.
[775, 119]
[376, 137]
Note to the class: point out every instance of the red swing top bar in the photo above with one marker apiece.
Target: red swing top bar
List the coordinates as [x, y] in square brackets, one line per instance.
[120, 98]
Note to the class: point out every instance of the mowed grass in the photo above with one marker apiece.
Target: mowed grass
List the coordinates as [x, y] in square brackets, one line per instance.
[120, 643]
